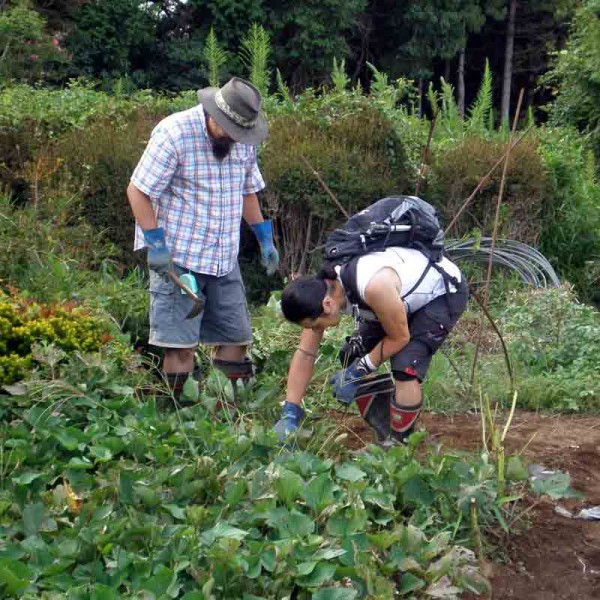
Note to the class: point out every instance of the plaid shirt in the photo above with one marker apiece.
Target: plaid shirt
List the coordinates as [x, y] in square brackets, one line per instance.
[197, 199]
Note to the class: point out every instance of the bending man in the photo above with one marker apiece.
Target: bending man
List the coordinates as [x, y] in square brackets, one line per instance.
[406, 309]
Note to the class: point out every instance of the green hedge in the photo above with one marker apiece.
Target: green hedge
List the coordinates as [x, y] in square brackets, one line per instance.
[83, 145]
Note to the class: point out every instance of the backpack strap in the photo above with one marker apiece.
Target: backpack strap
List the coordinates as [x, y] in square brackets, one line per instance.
[446, 277]
[348, 278]
[419, 281]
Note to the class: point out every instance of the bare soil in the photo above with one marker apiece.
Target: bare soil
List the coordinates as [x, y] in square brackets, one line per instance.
[547, 556]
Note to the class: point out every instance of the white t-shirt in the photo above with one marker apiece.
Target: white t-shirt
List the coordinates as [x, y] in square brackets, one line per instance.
[409, 264]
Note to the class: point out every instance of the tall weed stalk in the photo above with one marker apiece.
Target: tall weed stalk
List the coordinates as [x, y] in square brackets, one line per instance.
[215, 58]
[339, 77]
[255, 52]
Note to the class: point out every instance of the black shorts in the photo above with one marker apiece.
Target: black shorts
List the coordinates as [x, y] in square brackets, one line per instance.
[429, 327]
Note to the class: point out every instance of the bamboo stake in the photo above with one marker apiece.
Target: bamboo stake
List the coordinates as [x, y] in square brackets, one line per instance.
[425, 155]
[484, 302]
[501, 197]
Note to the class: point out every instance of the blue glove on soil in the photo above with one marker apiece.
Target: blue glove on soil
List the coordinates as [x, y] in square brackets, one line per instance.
[291, 417]
[346, 381]
[159, 257]
[264, 234]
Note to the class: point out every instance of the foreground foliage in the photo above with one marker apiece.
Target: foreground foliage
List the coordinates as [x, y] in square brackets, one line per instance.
[104, 493]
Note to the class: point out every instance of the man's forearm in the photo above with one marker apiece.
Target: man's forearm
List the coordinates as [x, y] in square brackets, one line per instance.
[299, 376]
[251, 210]
[141, 207]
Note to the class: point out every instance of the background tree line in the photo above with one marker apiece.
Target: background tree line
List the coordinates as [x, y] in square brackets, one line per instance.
[158, 43]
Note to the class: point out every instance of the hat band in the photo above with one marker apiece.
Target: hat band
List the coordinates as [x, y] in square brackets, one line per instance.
[235, 117]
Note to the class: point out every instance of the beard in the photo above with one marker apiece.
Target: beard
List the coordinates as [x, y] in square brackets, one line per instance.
[221, 147]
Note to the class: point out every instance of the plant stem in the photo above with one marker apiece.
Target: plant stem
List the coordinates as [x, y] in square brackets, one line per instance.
[325, 186]
[476, 531]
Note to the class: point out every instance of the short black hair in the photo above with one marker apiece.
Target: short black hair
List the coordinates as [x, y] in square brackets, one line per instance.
[303, 298]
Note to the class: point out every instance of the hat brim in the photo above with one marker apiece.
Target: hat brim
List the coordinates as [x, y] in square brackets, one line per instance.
[244, 135]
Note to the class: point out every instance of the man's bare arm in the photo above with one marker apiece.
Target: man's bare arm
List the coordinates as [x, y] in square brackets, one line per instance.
[301, 367]
[251, 210]
[382, 294]
[141, 207]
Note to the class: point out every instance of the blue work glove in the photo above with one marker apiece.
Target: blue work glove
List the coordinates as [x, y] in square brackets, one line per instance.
[346, 381]
[159, 257]
[291, 417]
[269, 255]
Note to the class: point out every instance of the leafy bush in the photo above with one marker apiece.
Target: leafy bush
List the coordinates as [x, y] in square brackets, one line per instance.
[96, 164]
[556, 343]
[34, 236]
[127, 500]
[355, 149]
[23, 324]
[27, 50]
[55, 258]
[576, 73]
[550, 330]
[571, 230]
[30, 118]
[456, 170]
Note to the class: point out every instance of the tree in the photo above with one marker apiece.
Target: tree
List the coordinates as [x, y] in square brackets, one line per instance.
[508, 60]
[114, 38]
[25, 48]
[307, 36]
[474, 16]
[577, 74]
[409, 37]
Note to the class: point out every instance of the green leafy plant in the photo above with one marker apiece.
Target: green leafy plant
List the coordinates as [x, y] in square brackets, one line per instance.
[255, 51]
[482, 106]
[23, 324]
[215, 57]
[128, 499]
[27, 49]
[339, 77]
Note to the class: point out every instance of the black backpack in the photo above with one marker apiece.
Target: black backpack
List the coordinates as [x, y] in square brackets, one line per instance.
[405, 221]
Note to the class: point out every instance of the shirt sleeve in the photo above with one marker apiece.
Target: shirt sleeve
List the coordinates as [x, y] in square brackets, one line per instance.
[254, 181]
[157, 166]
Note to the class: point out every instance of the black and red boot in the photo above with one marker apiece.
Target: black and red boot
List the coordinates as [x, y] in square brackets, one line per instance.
[373, 399]
[402, 422]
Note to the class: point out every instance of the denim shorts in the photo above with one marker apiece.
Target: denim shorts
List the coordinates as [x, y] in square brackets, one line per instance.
[225, 320]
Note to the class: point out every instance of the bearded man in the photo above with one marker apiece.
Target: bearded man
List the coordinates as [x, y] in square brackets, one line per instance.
[198, 177]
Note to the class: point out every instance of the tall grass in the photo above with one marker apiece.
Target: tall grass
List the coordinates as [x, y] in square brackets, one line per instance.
[215, 58]
[254, 53]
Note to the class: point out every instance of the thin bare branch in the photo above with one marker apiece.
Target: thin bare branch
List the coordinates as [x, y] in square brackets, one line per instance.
[485, 178]
[325, 186]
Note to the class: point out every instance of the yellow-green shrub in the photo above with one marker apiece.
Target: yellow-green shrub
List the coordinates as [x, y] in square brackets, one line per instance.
[24, 323]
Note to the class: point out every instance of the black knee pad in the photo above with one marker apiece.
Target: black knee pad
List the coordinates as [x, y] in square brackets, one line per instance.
[235, 369]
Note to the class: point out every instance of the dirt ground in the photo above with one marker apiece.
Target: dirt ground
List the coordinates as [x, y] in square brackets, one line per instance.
[548, 556]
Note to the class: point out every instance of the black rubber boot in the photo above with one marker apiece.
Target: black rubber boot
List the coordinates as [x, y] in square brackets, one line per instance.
[176, 381]
[236, 371]
[373, 401]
